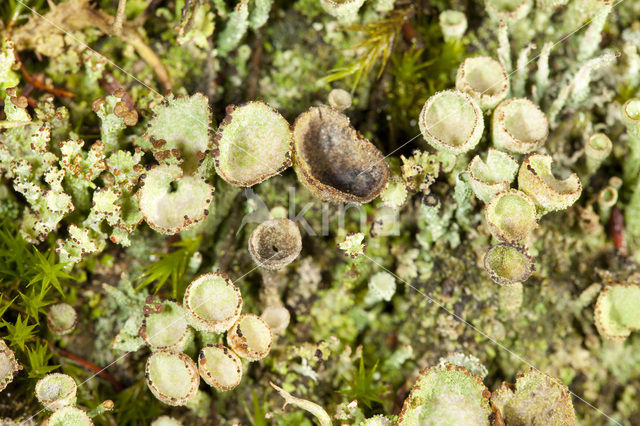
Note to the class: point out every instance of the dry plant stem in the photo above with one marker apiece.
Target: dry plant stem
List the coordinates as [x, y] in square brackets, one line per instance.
[116, 28]
[77, 15]
[37, 81]
[91, 366]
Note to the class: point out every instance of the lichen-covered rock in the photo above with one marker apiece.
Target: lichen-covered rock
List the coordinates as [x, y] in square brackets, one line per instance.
[536, 399]
[447, 395]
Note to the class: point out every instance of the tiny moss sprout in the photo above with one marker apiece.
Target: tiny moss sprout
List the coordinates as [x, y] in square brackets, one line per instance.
[171, 202]
[250, 337]
[62, 318]
[453, 24]
[451, 121]
[334, 161]
[56, 390]
[252, 144]
[535, 396]
[493, 175]
[510, 216]
[275, 243]
[167, 328]
[536, 179]
[447, 395]
[9, 367]
[508, 263]
[616, 311]
[519, 126]
[172, 377]
[212, 303]
[219, 367]
[485, 79]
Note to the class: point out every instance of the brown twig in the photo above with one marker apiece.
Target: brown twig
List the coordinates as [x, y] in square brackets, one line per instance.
[37, 80]
[252, 87]
[89, 365]
[116, 27]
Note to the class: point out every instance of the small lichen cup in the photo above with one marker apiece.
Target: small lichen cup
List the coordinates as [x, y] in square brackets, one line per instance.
[212, 303]
[616, 312]
[597, 149]
[508, 11]
[508, 263]
[484, 79]
[335, 162]
[447, 395]
[451, 121]
[453, 25]
[69, 416]
[171, 202]
[250, 337]
[9, 367]
[511, 216]
[493, 175]
[253, 143]
[62, 318]
[631, 116]
[275, 243]
[167, 329]
[219, 367]
[519, 126]
[172, 377]
[55, 391]
[536, 179]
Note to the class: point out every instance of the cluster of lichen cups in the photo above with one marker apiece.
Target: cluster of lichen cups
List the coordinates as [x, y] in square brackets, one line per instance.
[452, 121]
[212, 305]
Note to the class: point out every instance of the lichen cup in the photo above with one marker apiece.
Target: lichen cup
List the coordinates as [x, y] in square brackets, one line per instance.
[275, 243]
[172, 377]
[335, 162]
[519, 126]
[253, 143]
[485, 79]
[451, 121]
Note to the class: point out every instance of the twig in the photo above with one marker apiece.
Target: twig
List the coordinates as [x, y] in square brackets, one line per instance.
[91, 366]
[116, 28]
[37, 80]
[255, 65]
